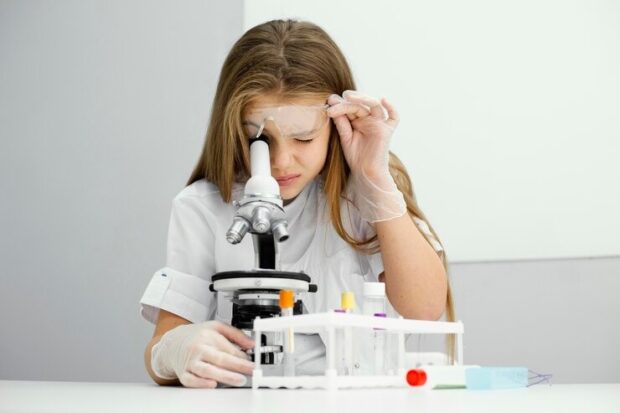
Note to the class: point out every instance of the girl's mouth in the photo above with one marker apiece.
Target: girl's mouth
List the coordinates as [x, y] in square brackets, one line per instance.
[287, 180]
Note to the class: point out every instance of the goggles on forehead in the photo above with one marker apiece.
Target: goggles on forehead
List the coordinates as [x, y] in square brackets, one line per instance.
[301, 122]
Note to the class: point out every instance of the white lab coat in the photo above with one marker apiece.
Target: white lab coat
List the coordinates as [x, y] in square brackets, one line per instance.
[197, 248]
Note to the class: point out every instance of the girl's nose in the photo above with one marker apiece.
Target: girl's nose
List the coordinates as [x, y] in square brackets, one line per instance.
[281, 156]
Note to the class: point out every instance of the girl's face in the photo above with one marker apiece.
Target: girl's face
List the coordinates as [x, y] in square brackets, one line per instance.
[298, 131]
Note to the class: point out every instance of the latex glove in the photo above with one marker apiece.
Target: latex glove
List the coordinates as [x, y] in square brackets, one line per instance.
[365, 126]
[201, 355]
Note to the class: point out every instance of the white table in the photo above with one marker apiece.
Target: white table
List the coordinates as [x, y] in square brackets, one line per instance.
[38, 396]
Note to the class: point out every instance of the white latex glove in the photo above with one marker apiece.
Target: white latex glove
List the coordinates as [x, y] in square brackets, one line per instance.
[201, 355]
[365, 126]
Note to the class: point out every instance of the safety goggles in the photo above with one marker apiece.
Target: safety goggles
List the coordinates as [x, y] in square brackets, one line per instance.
[301, 122]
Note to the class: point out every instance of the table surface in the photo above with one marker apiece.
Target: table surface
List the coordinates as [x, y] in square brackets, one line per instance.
[42, 396]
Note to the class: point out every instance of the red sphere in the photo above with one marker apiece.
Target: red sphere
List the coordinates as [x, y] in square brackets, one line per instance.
[416, 377]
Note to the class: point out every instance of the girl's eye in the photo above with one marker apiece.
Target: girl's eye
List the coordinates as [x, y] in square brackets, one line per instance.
[305, 140]
[264, 136]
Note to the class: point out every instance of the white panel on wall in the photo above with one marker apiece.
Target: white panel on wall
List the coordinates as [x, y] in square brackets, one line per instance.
[510, 114]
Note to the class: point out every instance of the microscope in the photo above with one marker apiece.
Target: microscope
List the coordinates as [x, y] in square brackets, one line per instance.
[256, 293]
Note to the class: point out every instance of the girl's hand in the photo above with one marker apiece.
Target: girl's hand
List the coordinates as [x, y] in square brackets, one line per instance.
[202, 355]
[365, 126]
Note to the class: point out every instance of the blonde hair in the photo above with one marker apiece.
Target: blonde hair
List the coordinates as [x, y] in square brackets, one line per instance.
[289, 59]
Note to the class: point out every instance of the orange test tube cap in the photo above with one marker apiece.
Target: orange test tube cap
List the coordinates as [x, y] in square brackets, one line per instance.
[287, 299]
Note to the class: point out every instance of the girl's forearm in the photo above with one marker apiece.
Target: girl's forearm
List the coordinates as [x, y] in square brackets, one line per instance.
[415, 278]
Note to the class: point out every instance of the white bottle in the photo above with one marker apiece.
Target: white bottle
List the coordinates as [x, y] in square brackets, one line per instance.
[374, 298]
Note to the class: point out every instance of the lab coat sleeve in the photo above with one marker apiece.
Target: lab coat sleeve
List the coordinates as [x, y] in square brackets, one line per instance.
[426, 232]
[182, 287]
[371, 262]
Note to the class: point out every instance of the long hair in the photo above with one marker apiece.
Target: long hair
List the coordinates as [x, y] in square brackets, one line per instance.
[289, 59]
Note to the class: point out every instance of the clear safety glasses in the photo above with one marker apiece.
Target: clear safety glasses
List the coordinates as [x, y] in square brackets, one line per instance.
[301, 122]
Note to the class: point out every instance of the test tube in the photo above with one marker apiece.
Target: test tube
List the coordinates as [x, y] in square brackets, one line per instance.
[287, 301]
[379, 340]
[347, 302]
[339, 349]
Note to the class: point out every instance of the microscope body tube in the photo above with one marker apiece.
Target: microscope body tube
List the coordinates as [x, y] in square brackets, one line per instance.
[259, 155]
[261, 183]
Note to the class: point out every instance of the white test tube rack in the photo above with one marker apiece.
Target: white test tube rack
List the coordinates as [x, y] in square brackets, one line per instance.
[328, 323]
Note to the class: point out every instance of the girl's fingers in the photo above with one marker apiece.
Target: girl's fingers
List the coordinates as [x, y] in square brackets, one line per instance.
[226, 361]
[343, 126]
[223, 344]
[376, 110]
[189, 379]
[349, 109]
[210, 371]
[234, 335]
[334, 99]
[393, 117]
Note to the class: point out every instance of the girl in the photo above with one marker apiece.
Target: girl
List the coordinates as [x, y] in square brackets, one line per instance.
[349, 202]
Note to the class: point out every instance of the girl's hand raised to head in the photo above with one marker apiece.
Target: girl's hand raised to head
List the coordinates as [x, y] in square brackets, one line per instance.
[202, 355]
[365, 126]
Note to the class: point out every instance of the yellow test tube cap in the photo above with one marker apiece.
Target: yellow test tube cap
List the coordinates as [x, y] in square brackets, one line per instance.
[347, 300]
[287, 299]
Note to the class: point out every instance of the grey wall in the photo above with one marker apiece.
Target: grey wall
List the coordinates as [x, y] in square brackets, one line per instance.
[103, 108]
[553, 316]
